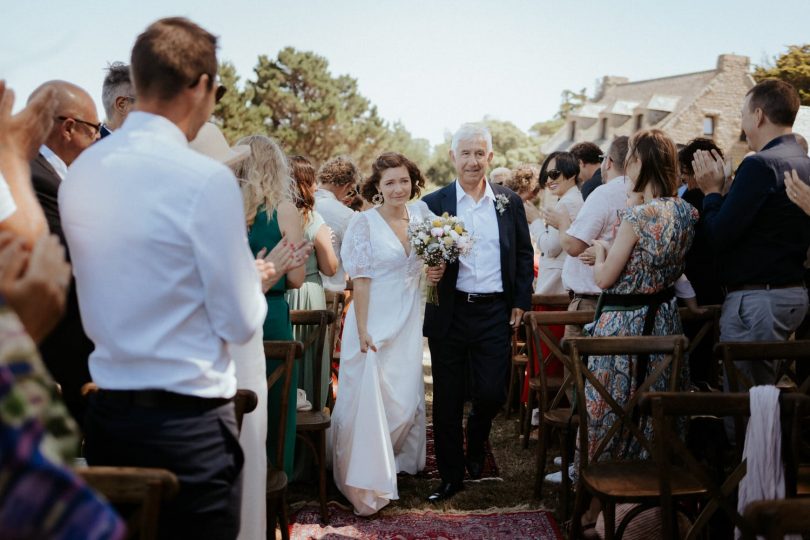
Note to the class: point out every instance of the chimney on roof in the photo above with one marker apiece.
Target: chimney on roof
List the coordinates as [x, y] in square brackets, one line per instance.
[608, 81]
[733, 62]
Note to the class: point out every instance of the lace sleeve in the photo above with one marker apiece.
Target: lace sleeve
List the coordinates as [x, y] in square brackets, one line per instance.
[355, 253]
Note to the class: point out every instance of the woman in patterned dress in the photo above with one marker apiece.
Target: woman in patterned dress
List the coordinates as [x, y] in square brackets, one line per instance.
[645, 260]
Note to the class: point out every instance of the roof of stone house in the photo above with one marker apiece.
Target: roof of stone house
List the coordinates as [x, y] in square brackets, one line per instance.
[664, 97]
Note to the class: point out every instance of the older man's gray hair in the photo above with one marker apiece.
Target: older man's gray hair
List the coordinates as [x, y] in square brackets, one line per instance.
[469, 132]
[116, 83]
[500, 175]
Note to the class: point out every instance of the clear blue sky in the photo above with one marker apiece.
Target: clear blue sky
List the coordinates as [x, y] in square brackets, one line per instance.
[431, 64]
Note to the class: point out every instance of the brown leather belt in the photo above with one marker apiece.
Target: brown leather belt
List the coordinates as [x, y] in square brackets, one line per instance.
[574, 296]
[763, 287]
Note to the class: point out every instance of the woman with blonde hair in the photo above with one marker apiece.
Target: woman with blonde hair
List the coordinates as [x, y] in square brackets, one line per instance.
[268, 193]
[525, 182]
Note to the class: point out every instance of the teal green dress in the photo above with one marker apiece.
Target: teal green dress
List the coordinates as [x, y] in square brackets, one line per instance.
[310, 296]
[265, 233]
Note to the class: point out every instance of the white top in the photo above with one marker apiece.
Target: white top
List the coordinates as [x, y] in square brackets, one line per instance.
[337, 216]
[548, 241]
[7, 205]
[598, 219]
[54, 161]
[163, 269]
[480, 270]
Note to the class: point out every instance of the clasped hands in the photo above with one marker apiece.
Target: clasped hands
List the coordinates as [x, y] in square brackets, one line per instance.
[281, 259]
[597, 252]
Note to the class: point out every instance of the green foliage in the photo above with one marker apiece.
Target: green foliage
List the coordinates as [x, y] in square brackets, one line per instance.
[792, 66]
[570, 100]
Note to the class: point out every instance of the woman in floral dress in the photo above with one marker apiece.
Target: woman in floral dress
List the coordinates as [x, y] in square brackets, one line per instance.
[645, 260]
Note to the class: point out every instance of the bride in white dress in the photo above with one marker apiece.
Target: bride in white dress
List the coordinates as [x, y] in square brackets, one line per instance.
[378, 425]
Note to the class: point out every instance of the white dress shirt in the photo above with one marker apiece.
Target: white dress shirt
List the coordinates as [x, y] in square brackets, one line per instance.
[163, 270]
[598, 219]
[55, 161]
[7, 204]
[337, 216]
[480, 270]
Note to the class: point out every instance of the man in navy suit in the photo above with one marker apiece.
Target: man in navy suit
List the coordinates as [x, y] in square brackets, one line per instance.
[482, 298]
[761, 238]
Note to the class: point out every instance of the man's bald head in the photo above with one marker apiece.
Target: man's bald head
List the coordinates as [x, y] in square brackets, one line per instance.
[76, 124]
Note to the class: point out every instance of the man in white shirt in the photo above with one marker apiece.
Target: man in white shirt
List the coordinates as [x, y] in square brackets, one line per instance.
[336, 178]
[482, 297]
[165, 279]
[598, 219]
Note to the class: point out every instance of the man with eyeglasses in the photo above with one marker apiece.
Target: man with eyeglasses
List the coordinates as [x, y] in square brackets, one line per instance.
[117, 96]
[167, 281]
[75, 127]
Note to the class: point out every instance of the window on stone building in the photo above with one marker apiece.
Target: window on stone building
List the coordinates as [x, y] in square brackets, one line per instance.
[709, 125]
[603, 128]
[639, 121]
[573, 131]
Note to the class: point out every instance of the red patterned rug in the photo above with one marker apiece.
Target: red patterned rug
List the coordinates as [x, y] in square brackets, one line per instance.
[429, 525]
[490, 472]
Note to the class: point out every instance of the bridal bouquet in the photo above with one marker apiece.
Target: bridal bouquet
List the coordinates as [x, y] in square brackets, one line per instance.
[437, 240]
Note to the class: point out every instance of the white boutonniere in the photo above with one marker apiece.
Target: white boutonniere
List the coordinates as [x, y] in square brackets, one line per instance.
[501, 203]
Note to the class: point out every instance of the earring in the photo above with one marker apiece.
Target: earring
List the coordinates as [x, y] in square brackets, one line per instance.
[377, 199]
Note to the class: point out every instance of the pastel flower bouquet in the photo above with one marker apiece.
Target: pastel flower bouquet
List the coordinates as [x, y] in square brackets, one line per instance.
[437, 240]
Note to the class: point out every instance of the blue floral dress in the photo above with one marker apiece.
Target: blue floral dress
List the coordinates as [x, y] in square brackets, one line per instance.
[665, 228]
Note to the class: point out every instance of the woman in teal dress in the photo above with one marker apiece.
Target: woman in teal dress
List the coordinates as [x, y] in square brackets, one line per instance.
[638, 274]
[310, 295]
[268, 195]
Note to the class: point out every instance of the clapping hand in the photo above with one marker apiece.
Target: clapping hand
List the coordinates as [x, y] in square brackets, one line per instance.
[553, 218]
[435, 273]
[797, 191]
[34, 284]
[21, 135]
[711, 171]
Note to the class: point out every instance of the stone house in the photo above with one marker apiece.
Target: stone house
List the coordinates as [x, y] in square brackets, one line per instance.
[702, 104]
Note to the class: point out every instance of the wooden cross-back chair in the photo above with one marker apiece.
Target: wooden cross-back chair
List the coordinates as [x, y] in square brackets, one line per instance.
[311, 425]
[619, 480]
[679, 472]
[288, 352]
[759, 351]
[520, 356]
[141, 490]
[335, 302]
[549, 395]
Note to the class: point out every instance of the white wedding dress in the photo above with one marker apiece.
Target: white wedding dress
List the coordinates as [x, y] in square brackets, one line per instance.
[378, 425]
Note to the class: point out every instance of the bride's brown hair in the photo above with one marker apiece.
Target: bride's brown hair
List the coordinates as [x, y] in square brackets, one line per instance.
[391, 160]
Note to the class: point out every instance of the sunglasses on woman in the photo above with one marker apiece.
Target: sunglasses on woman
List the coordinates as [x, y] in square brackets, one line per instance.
[553, 174]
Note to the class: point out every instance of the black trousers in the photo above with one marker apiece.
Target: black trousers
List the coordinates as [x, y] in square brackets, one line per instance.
[477, 345]
[201, 447]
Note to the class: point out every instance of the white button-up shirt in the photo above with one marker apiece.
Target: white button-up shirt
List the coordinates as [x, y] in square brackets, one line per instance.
[480, 270]
[598, 219]
[163, 270]
[54, 161]
[337, 216]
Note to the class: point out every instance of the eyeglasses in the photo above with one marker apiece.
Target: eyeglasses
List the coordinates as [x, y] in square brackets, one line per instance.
[95, 127]
[601, 158]
[553, 173]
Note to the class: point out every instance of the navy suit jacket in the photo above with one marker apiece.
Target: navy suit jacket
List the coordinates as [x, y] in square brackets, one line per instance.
[517, 259]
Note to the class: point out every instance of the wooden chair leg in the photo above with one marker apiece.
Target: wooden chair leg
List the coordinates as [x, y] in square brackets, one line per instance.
[609, 511]
[527, 423]
[510, 394]
[575, 531]
[283, 520]
[565, 484]
[322, 475]
[542, 454]
[272, 520]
